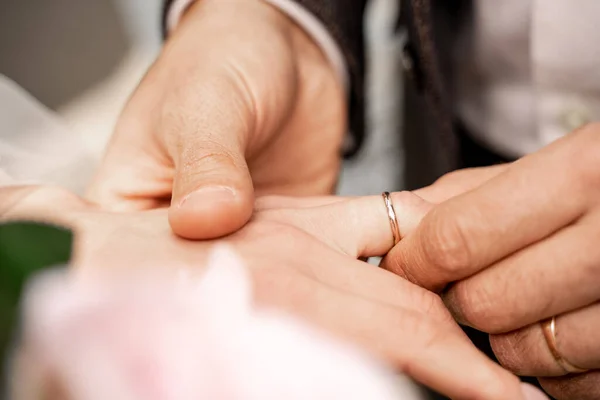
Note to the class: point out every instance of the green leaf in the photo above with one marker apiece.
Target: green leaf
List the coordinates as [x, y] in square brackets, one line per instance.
[25, 249]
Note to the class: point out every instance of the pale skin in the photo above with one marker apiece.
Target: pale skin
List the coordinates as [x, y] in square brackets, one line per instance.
[215, 122]
[242, 101]
[405, 325]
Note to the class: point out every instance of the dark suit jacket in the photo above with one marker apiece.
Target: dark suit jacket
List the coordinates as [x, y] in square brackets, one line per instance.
[429, 130]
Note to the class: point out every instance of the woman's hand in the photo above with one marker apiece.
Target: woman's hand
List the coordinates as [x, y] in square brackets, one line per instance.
[241, 101]
[516, 250]
[302, 255]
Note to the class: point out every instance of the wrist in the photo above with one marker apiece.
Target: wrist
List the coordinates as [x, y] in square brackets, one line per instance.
[292, 18]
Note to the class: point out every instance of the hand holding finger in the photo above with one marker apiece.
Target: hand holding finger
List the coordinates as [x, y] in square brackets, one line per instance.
[566, 354]
[217, 118]
[524, 204]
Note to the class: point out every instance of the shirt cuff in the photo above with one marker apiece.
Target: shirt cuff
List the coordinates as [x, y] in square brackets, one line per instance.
[306, 20]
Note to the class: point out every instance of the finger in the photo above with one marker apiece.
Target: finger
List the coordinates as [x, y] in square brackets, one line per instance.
[418, 343]
[206, 136]
[362, 226]
[526, 352]
[341, 272]
[459, 182]
[417, 346]
[533, 198]
[359, 227]
[376, 284]
[570, 387]
[545, 279]
[47, 204]
[279, 202]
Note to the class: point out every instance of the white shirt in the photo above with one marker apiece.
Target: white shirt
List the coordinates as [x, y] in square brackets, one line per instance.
[529, 70]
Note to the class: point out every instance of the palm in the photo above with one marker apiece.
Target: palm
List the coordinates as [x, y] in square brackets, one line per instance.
[301, 255]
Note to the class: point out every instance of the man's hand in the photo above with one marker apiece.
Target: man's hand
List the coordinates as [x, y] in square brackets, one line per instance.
[518, 249]
[302, 256]
[240, 102]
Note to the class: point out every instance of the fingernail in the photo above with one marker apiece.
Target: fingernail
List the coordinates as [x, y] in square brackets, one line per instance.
[208, 194]
[532, 393]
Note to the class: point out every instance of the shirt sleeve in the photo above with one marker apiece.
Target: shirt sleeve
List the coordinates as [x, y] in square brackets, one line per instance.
[337, 26]
[305, 19]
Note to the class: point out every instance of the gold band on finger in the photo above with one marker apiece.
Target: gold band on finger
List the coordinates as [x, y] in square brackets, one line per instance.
[549, 329]
[389, 206]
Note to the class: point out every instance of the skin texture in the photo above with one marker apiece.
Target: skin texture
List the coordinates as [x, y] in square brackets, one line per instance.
[188, 349]
[395, 320]
[241, 103]
[517, 248]
[227, 112]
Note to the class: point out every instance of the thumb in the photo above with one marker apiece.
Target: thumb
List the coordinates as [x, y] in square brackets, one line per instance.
[213, 193]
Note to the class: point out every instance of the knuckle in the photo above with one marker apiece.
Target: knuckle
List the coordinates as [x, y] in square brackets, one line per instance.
[476, 306]
[445, 244]
[395, 262]
[510, 348]
[207, 160]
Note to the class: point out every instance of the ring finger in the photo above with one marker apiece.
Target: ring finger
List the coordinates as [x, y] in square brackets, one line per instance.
[358, 226]
[527, 352]
[551, 277]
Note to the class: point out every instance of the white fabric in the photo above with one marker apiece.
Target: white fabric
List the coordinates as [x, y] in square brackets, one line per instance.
[34, 146]
[312, 25]
[529, 72]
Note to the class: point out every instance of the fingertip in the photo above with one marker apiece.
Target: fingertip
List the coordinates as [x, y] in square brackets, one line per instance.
[211, 212]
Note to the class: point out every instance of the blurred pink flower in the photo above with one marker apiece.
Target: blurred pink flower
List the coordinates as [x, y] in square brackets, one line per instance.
[184, 338]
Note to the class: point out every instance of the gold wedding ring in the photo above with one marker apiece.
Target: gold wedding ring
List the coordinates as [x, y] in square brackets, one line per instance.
[389, 206]
[549, 329]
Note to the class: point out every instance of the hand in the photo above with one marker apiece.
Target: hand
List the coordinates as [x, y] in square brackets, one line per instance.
[168, 337]
[458, 182]
[519, 249]
[240, 101]
[302, 257]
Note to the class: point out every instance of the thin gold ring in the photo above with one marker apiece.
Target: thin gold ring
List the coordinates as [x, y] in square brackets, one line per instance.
[389, 206]
[549, 328]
